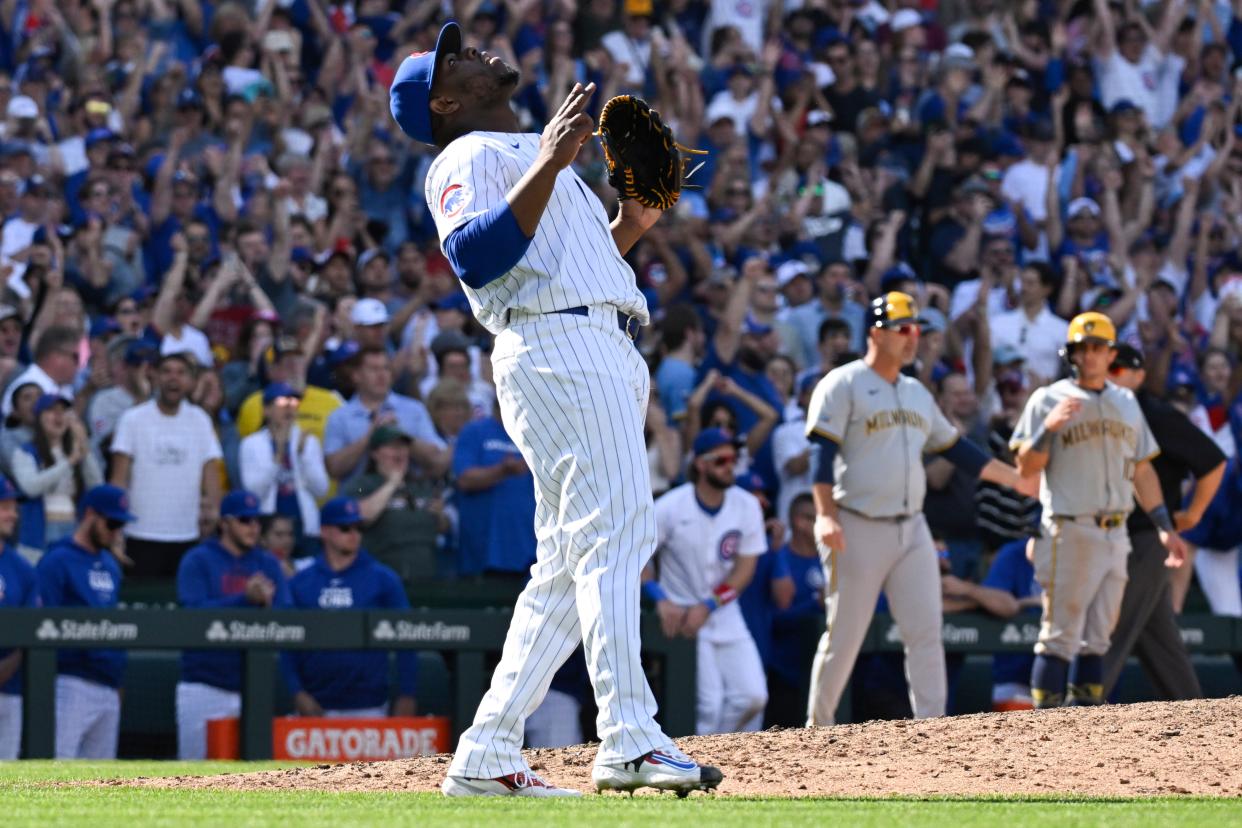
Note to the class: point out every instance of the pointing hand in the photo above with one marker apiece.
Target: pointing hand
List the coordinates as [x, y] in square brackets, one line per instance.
[569, 128]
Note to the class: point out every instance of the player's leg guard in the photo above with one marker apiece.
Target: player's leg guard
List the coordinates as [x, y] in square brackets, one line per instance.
[1086, 681]
[1048, 681]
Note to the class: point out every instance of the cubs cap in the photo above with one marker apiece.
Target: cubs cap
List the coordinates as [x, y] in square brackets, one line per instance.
[239, 504]
[110, 501]
[7, 490]
[709, 440]
[276, 390]
[454, 301]
[103, 326]
[410, 95]
[340, 511]
[48, 400]
[892, 309]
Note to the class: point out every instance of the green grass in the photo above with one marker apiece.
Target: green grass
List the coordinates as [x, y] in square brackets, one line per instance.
[27, 798]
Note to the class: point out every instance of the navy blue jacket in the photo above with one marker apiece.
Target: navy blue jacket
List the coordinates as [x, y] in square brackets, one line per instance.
[18, 588]
[348, 679]
[211, 576]
[70, 576]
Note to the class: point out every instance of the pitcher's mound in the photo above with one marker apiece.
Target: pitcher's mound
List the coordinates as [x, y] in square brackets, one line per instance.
[1131, 750]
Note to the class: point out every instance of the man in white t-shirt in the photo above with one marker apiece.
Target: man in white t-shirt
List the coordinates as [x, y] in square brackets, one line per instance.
[166, 453]
[1032, 328]
[1129, 63]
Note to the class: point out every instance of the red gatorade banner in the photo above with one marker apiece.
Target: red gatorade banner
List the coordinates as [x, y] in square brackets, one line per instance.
[339, 740]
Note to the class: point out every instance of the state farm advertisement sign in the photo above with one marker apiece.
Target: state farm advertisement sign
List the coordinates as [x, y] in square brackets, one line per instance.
[358, 740]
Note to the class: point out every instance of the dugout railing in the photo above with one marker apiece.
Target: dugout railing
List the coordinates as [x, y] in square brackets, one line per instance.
[464, 637]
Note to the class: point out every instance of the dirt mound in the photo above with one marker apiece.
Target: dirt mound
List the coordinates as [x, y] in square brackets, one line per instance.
[1133, 750]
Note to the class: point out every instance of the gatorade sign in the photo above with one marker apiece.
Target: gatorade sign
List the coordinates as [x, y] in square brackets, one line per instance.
[358, 740]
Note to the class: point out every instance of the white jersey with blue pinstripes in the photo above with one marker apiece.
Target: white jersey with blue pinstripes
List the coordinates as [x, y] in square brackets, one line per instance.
[572, 260]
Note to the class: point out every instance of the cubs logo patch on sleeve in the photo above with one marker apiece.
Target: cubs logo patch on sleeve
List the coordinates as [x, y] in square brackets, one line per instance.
[454, 200]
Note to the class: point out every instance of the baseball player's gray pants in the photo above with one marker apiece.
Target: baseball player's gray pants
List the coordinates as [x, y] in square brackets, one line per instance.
[1148, 628]
[899, 558]
[573, 397]
[1082, 568]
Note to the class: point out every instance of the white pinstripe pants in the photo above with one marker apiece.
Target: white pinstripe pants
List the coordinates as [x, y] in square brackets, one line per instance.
[573, 396]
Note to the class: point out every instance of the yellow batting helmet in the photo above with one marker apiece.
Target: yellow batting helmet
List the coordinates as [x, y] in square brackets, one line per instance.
[894, 308]
[1091, 325]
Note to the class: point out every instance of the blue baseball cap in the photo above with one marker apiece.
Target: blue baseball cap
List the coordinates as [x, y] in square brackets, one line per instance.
[709, 440]
[410, 96]
[104, 325]
[99, 135]
[141, 352]
[454, 301]
[110, 501]
[48, 400]
[340, 511]
[343, 353]
[754, 327]
[239, 503]
[7, 490]
[809, 382]
[276, 390]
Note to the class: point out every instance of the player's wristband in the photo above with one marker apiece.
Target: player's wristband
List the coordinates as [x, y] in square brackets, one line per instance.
[654, 591]
[721, 595]
[1041, 438]
[1160, 517]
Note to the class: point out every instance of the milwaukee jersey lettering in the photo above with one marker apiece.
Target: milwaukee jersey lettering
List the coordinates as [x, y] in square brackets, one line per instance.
[572, 260]
[1091, 459]
[883, 430]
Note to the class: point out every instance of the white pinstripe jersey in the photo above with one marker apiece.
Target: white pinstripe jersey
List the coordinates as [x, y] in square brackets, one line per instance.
[571, 261]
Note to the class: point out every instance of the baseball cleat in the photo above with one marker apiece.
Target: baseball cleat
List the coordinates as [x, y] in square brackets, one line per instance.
[522, 783]
[664, 770]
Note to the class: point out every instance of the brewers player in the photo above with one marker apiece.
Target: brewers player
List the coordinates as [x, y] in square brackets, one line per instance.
[1091, 441]
[18, 588]
[230, 570]
[80, 571]
[710, 536]
[543, 270]
[874, 425]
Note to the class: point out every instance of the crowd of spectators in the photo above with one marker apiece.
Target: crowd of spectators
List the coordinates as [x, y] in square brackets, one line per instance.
[219, 270]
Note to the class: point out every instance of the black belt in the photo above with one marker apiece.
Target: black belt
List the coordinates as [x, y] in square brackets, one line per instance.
[884, 519]
[628, 324]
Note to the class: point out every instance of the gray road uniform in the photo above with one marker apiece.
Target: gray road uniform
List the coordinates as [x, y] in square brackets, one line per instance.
[879, 432]
[1087, 491]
